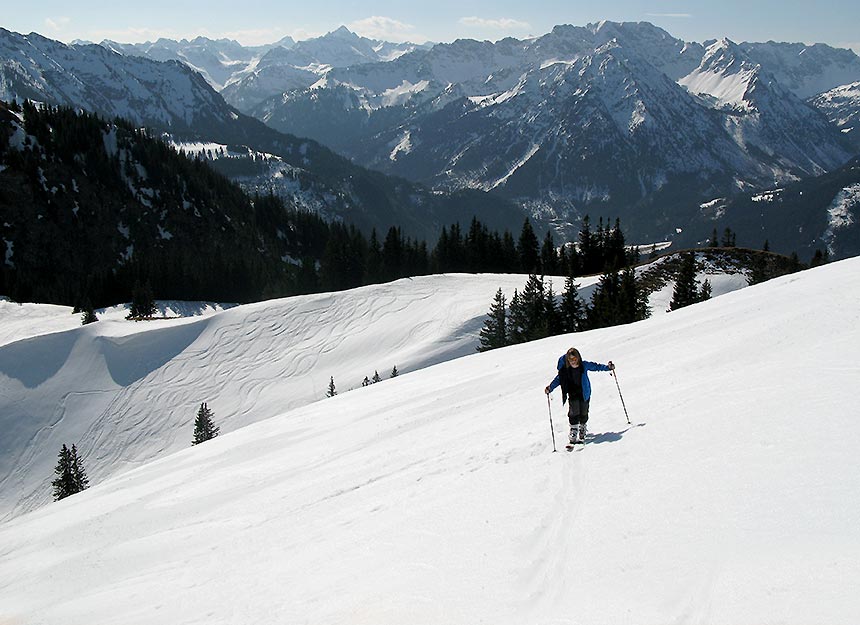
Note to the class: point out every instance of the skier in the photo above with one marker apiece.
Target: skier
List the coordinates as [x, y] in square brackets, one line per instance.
[576, 389]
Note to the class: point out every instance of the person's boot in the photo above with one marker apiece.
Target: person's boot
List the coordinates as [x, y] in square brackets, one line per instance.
[574, 433]
[582, 431]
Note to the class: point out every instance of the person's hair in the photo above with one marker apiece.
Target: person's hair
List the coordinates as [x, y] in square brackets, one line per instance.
[567, 354]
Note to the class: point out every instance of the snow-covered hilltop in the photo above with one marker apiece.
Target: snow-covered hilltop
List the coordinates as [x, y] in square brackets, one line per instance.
[435, 497]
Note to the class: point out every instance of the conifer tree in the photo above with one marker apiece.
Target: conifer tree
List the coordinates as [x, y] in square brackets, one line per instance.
[633, 304]
[603, 310]
[758, 270]
[394, 372]
[589, 253]
[375, 378]
[88, 316]
[70, 475]
[204, 426]
[331, 392]
[64, 483]
[572, 307]
[615, 248]
[820, 258]
[494, 334]
[142, 302]
[529, 249]
[516, 323]
[374, 269]
[685, 291]
[533, 302]
[79, 475]
[548, 256]
[552, 315]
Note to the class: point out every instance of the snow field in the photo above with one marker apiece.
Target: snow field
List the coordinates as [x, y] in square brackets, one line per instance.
[435, 497]
[126, 393]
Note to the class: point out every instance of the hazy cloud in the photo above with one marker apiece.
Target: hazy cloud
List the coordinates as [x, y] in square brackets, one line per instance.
[494, 24]
[57, 24]
[386, 29]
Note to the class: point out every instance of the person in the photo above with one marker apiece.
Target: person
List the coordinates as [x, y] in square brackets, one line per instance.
[576, 389]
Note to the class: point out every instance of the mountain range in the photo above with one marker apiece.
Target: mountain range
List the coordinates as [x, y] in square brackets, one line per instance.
[605, 119]
[175, 101]
[610, 119]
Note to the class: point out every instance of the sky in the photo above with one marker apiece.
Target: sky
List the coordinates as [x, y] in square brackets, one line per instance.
[266, 21]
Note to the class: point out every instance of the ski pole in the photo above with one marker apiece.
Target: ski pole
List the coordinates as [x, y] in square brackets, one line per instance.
[615, 375]
[551, 428]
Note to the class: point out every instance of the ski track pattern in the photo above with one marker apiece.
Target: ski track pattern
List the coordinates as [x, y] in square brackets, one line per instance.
[298, 343]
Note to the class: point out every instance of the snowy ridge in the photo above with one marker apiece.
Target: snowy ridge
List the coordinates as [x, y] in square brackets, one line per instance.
[435, 497]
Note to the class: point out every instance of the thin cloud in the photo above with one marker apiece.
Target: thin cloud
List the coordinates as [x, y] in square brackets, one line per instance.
[386, 28]
[494, 24]
[57, 24]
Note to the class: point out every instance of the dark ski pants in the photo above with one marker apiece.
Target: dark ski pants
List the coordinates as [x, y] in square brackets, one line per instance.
[577, 411]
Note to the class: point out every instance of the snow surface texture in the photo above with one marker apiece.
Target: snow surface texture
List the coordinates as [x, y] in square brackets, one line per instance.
[126, 393]
[435, 497]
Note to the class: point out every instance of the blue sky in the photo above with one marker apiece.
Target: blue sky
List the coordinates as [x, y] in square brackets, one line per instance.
[263, 21]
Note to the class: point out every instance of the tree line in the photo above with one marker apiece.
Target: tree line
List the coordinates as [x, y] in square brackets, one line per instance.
[537, 311]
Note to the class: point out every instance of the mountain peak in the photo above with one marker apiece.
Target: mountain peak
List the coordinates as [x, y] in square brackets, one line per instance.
[343, 33]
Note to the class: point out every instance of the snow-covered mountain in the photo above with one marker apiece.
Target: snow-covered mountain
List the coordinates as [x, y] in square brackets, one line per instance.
[302, 65]
[217, 60]
[611, 120]
[170, 98]
[821, 213]
[247, 75]
[435, 497]
[159, 95]
[558, 123]
[842, 107]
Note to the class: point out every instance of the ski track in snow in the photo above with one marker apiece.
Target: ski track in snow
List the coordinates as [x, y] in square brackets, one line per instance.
[248, 363]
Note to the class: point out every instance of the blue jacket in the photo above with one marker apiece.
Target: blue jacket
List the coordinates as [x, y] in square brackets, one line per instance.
[586, 384]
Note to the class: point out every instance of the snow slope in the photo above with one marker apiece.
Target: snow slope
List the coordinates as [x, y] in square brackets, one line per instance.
[126, 393]
[435, 497]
